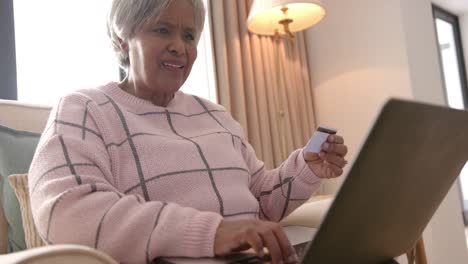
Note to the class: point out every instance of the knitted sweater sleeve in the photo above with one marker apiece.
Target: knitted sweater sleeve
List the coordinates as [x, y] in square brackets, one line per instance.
[74, 198]
[283, 189]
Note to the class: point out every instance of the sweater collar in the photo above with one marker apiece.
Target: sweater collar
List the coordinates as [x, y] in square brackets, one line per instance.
[132, 102]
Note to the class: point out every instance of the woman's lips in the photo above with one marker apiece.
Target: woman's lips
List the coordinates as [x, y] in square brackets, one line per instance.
[173, 66]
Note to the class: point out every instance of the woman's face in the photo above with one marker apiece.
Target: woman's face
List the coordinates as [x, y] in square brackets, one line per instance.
[163, 51]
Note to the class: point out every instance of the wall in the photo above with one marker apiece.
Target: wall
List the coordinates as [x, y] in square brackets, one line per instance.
[364, 52]
[357, 60]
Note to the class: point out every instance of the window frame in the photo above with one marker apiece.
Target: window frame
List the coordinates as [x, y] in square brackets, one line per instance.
[8, 79]
[442, 14]
[452, 19]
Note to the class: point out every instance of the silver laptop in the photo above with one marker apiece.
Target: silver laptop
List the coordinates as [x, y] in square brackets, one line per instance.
[409, 161]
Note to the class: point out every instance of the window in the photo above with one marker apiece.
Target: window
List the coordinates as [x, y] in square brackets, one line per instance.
[454, 75]
[62, 46]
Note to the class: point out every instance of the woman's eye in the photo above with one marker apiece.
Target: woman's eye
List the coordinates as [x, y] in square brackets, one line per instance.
[161, 30]
[189, 37]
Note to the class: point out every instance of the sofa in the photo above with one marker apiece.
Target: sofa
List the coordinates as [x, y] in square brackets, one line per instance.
[20, 128]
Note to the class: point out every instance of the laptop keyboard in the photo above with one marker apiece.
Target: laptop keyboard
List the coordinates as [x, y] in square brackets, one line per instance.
[301, 249]
[241, 258]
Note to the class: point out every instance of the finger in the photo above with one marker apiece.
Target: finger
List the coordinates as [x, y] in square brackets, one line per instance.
[335, 139]
[333, 171]
[311, 156]
[255, 241]
[339, 149]
[333, 159]
[288, 252]
[240, 245]
[270, 241]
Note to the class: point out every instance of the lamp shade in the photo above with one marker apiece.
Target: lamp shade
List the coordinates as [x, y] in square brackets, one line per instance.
[265, 15]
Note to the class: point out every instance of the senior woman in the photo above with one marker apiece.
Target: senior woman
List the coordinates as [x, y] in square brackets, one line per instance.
[141, 170]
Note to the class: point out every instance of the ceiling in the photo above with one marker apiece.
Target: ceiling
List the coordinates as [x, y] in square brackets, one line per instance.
[458, 7]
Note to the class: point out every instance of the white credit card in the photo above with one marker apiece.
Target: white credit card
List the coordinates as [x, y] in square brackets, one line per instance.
[318, 138]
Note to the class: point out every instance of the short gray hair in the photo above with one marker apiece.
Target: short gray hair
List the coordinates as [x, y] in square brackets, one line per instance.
[127, 16]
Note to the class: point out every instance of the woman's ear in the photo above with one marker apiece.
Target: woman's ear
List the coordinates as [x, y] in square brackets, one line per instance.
[123, 45]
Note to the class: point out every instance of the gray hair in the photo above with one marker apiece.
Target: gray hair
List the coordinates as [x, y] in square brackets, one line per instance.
[127, 16]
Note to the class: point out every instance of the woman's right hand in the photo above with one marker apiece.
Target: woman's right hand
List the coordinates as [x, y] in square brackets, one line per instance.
[238, 235]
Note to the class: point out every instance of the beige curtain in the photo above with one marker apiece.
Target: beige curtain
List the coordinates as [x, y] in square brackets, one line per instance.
[249, 86]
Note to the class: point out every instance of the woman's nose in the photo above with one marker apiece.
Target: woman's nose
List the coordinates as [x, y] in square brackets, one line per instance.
[176, 46]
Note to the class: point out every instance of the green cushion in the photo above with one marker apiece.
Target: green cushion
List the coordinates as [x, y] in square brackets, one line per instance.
[16, 152]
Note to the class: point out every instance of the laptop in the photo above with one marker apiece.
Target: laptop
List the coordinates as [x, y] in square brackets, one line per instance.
[410, 159]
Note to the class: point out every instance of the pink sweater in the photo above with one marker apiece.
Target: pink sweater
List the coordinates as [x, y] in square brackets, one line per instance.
[139, 181]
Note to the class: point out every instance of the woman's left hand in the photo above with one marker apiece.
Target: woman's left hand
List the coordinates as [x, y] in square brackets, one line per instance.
[330, 161]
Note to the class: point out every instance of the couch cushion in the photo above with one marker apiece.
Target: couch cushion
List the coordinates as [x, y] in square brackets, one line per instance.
[19, 182]
[16, 152]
